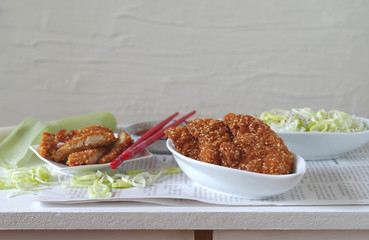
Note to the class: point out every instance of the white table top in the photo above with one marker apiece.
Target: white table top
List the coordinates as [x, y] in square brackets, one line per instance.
[23, 212]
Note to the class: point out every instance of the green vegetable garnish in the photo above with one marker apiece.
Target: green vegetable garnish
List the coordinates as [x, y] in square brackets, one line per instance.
[306, 120]
[26, 180]
[99, 184]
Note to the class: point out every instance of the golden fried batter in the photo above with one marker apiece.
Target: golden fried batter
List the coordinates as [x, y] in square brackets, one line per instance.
[261, 149]
[240, 124]
[86, 141]
[211, 133]
[86, 157]
[239, 141]
[230, 155]
[124, 141]
[183, 141]
[62, 136]
[48, 145]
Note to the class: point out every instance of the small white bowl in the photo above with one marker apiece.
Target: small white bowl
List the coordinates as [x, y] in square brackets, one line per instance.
[238, 183]
[324, 145]
[159, 146]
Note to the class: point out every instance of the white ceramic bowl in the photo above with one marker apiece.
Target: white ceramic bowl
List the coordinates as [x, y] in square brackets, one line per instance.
[238, 183]
[159, 146]
[323, 145]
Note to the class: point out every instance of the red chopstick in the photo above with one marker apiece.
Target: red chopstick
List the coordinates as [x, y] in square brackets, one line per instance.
[154, 130]
[130, 152]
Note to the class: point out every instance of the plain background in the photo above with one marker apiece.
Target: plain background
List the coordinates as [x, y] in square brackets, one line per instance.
[144, 60]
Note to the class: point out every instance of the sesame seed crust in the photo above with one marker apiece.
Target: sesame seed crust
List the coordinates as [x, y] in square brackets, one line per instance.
[239, 141]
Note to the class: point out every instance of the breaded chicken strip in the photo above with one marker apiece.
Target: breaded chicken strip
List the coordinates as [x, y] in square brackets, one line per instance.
[86, 141]
[211, 133]
[63, 137]
[240, 141]
[183, 141]
[260, 147]
[230, 155]
[240, 124]
[48, 145]
[86, 157]
[124, 141]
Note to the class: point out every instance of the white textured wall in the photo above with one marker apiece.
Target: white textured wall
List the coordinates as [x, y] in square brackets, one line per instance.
[147, 59]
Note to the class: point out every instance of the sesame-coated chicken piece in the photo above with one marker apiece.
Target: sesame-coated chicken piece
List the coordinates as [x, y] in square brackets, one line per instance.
[86, 157]
[211, 133]
[124, 141]
[261, 149]
[183, 141]
[240, 141]
[63, 136]
[86, 141]
[48, 145]
[230, 155]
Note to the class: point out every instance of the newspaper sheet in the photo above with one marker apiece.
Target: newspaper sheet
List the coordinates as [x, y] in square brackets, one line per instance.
[340, 181]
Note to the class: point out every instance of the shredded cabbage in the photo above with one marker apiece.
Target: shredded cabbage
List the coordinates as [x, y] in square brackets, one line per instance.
[306, 120]
[26, 180]
[99, 184]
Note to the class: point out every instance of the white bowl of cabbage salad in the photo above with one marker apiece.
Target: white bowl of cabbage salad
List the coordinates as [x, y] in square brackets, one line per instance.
[318, 135]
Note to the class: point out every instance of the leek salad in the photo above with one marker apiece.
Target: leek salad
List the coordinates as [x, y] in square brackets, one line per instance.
[307, 120]
[99, 184]
[28, 180]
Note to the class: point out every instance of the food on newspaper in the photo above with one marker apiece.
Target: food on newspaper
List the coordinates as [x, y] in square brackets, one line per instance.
[306, 120]
[238, 141]
[90, 145]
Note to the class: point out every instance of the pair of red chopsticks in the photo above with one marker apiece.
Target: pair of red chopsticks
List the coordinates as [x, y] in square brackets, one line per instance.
[148, 138]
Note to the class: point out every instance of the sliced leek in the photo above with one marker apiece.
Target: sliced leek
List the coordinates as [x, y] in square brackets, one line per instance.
[306, 120]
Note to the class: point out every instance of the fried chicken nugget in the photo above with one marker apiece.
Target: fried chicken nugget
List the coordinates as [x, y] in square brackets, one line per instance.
[86, 141]
[86, 157]
[48, 145]
[124, 141]
[183, 141]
